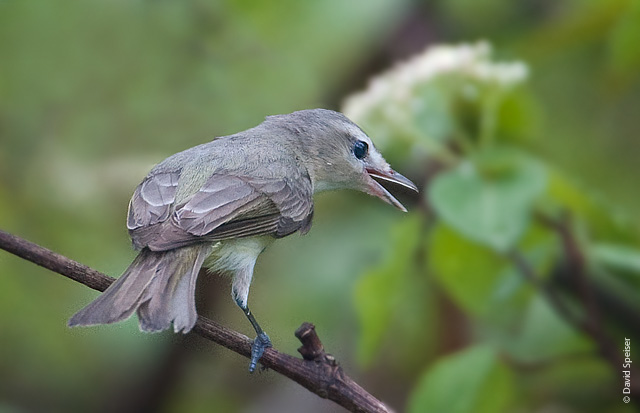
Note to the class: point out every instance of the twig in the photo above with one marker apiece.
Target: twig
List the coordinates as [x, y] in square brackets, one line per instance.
[322, 375]
[576, 263]
[591, 323]
[556, 301]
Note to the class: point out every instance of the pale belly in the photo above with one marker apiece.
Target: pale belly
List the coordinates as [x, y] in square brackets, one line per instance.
[237, 254]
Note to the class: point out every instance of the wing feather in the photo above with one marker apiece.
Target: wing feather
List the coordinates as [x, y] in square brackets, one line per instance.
[226, 206]
[152, 200]
[221, 199]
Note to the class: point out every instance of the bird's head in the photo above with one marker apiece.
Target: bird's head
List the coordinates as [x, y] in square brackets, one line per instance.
[339, 155]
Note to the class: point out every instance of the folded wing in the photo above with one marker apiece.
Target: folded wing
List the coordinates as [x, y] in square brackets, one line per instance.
[227, 206]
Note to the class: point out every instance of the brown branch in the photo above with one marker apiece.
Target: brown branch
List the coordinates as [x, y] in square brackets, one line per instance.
[590, 323]
[320, 373]
[552, 296]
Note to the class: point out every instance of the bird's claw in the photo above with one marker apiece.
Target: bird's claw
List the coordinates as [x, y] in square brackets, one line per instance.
[261, 343]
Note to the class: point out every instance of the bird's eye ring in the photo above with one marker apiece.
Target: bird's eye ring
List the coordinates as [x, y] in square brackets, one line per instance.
[360, 149]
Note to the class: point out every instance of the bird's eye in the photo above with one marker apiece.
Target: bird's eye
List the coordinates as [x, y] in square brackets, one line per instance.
[360, 149]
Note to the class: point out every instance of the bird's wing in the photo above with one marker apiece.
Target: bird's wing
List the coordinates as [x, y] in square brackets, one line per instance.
[152, 200]
[226, 206]
[231, 206]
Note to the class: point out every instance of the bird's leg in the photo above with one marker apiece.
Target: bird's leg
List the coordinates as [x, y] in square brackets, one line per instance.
[262, 340]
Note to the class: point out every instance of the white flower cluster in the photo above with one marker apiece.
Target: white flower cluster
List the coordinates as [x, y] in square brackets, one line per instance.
[397, 86]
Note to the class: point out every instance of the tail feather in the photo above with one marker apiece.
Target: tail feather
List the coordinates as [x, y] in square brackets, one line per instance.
[185, 316]
[159, 285]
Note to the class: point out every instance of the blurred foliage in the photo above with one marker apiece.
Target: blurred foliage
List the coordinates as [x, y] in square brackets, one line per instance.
[431, 310]
[504, 224]
[488, 384]
[490, 198]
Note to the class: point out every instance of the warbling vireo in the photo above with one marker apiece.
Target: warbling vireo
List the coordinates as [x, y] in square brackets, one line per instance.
[221, 203]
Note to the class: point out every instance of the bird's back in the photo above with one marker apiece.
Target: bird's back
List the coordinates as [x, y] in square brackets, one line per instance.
[235, 186]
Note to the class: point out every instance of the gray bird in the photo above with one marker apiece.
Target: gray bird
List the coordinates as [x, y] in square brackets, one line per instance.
[220, 204]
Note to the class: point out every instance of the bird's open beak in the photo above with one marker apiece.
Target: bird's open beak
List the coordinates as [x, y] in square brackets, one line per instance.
[391, 176]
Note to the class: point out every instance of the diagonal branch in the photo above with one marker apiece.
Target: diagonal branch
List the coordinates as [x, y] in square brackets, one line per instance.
[320, 374]
[589, 323]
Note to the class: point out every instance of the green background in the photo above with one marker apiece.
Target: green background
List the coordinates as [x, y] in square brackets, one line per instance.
[423, 309]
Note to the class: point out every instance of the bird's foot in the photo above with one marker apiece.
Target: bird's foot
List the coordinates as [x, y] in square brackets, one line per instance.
[261, 343]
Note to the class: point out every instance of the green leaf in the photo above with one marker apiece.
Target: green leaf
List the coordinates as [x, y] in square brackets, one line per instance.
[474, 380]
[604, 219]
[467, 271]
[489, 200]
[619, 257]
[382, 294]
[546, 335]
[374, 303]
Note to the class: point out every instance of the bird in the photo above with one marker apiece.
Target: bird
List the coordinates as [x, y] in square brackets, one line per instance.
[221, 203]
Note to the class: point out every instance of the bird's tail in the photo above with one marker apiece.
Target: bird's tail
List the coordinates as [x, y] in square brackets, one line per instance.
[159, 285]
